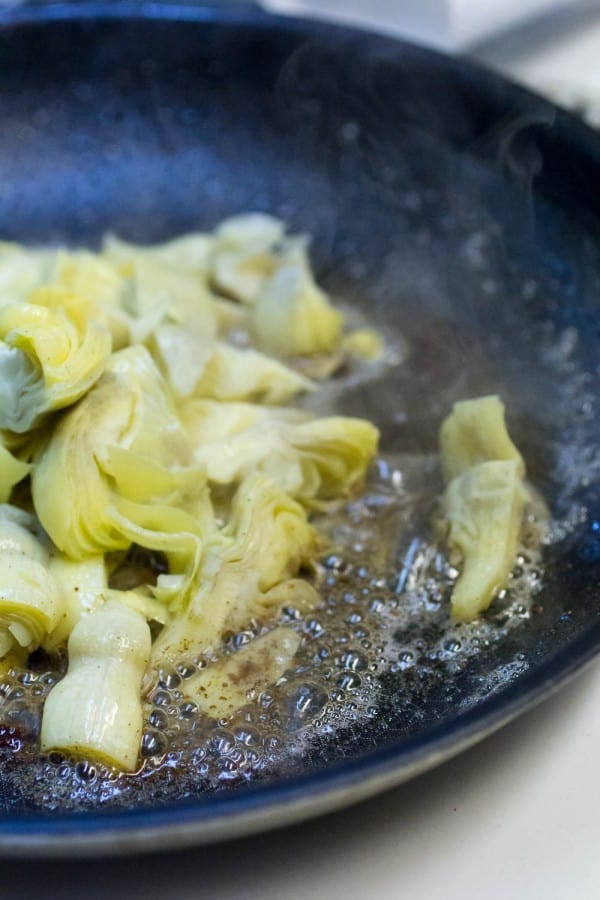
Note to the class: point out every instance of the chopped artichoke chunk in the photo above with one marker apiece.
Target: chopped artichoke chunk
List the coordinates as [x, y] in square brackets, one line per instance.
[233, 374]
[119, 469]
[103, 291]
[311, 460]
[474, 432]
[96, 710]
[227, 685]
[245, 254]
[265, 544]
[293, 316]
[484, 507]
[50, 355]
[483, 502]
[188, 253]
[21, 270]
[30, 601]
[12, 471]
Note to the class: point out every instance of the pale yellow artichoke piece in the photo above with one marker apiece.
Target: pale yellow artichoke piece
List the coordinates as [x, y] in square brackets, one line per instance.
[484, 508]
[245, 254]
[83, 586]
[20, 532]
[188, 253]
[212, 420]
[102, 289]
[293, 316]
[474, 432]
[30, 602]
[12, 471]
[311, 460]
[21, 270]
[231, 374]
[229, 684]
[265, 544]
[163, 289]
[118, 469]
[50, 356]
[363, 343]
[96, 710]
[183, 355]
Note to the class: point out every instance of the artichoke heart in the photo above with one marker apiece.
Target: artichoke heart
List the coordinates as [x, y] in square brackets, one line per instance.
[188, 253]
[245, 255]
[229, 373]
[266, 542]
[312, 460]
[484, 508]
[475, 431]
[225, 686]
[293, 316]
[12, 471]
[50, 355]
[161, 292]
[119, 469]
[30, 602]
[21, 270]
[96, 710]
[483, 501]
[103, 291]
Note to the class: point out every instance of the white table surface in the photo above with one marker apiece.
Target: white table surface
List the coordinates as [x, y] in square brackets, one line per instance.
[517, 816]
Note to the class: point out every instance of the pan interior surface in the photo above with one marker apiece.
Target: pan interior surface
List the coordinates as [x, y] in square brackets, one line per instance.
[458, 215]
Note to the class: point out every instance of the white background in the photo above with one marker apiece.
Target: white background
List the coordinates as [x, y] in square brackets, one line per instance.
[518, 816]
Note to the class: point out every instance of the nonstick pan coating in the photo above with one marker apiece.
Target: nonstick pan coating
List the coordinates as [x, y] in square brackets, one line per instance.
[446, 203]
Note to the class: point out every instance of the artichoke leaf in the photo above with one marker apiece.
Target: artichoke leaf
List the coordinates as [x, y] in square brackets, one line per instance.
[12, 471]
[102, 289]
[229, 684]
[233, 374]
[85, 488]
[245, 254]
[312, 460]
[163, 290]
[474, 432]
[50, 356]
[30, 601]
[484, 508]
[292, 316]
[21, 270]
[188, 253]
[265, 543]
[483, 502]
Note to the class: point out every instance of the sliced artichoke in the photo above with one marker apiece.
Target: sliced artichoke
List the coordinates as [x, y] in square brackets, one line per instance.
[233, 374]
[292, 316]
[311, 460]
[50, 356]
[96, 710]
[223, 687]
[119, 469]
[12, 471]
[265, 544]
[474, 432]
[30, 601]
[484, 508]
[245, 255]
[483, 502]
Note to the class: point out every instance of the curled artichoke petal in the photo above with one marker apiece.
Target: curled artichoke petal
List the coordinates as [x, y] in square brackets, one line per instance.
[118, 468]
[50, 355]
